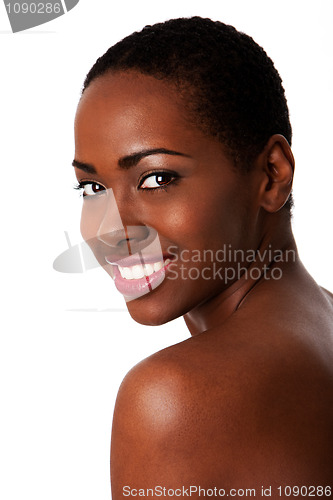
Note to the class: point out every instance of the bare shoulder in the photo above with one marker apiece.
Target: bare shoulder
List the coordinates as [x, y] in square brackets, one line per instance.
[154, 425]
[328, 295]
[230, 413]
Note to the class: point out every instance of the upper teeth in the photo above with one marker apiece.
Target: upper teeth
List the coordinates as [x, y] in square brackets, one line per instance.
[139, 271]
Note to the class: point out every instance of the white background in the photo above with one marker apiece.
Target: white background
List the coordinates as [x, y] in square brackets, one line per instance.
[61, 365]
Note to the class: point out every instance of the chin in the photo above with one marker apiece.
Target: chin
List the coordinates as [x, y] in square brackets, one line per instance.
[147, 313]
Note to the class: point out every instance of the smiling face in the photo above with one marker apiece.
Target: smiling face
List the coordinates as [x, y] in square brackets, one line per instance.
[158, 173]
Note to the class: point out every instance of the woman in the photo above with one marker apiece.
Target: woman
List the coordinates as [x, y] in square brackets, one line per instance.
[182, 150]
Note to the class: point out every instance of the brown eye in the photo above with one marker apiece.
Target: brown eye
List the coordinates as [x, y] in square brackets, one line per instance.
[92, 188]
[157, 180]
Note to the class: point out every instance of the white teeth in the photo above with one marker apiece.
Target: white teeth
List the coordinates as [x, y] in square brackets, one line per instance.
[138, 271]
[149, 269]
[158, 266]
[121, 270]
[127, 273]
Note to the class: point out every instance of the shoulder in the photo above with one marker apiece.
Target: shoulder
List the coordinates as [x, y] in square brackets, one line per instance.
[158, 391]
[174, 384]
[215, 414]
[327, 294]
[162, 427]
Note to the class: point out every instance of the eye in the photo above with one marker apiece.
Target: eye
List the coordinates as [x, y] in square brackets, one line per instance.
[157, 180]
[90, 188]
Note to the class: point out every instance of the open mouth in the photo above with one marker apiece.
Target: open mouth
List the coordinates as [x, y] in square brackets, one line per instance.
[136, 275]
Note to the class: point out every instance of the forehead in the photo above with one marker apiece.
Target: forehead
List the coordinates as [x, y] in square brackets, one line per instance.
[118, 107]
[124, 112]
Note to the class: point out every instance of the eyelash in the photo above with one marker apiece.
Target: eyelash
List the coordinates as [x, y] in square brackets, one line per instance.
[174, 178]
[81, 185]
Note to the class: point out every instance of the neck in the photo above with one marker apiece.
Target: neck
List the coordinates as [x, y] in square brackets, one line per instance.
[272, 252]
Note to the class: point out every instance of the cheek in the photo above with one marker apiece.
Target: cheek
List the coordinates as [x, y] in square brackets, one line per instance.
[200, 221]
[173, 219]
[224, 210]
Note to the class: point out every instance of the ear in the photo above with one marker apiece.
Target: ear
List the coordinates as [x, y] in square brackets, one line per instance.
[277, 165]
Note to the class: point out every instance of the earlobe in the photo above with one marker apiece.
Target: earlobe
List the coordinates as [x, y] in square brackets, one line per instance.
[278, 164]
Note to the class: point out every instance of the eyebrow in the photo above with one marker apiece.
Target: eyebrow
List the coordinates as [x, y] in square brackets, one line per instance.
[131, 160]
[89, 169]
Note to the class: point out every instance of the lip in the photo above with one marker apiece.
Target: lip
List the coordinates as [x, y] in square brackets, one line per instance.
[135, 288]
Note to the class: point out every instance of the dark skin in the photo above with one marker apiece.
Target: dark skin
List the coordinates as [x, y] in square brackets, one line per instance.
[247, 400]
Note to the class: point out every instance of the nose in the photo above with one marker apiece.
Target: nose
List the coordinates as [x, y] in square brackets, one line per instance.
[130, 239]
[123, 240]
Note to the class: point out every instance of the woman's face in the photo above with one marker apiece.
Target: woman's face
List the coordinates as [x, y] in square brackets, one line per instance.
[180, 183]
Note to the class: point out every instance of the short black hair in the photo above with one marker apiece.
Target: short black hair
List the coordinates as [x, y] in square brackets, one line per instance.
[228, 83]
